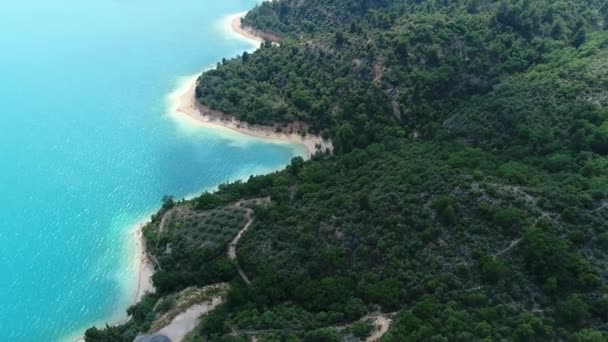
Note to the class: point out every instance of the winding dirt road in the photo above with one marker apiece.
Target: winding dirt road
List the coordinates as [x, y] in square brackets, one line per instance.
[232, 245]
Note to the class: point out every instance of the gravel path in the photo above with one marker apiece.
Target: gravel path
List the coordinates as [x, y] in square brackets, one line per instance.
[182, 324]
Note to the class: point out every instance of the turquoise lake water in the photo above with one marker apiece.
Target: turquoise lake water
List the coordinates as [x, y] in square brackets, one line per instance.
[87, 148]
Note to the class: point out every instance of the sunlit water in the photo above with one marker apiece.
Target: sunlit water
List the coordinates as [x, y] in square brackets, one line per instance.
[87, 148]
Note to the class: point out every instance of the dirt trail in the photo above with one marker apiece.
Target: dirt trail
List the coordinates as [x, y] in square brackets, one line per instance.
[237, 238]
[380, 321]
[185, 322]
[235, 241]
[512, 245]
[381, 324]
[163, 222]
[162, 227]
[232, 245]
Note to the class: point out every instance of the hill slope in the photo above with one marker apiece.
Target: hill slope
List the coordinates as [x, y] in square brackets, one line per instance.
[468, 194]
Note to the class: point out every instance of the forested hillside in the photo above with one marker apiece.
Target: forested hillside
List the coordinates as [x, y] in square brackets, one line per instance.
[467, 196]
[294, 18]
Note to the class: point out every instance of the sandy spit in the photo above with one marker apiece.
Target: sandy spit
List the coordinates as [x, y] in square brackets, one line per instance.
[144, 266]
[233, 22]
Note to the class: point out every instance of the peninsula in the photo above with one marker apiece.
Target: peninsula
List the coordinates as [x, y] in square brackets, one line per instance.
[185, 102]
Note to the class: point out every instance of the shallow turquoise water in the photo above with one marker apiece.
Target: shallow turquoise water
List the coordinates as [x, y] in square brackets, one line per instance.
[87, 148]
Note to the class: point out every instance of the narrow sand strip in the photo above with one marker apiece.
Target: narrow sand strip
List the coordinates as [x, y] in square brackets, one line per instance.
[234, 24]
[144, 266]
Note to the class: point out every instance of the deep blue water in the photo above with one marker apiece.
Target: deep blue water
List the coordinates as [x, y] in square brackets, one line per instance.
[87, 148]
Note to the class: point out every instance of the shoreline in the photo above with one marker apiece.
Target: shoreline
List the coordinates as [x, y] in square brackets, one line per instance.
[143, 280]
[144, 266]
[235, 26]
[189, 106]
[185, 105]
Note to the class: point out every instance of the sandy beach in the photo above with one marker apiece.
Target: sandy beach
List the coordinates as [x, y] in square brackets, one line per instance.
[233, 23]
[143, 265]
[184, 104]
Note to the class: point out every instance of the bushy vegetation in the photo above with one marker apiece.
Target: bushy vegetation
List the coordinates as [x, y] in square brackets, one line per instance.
[468, 191]
[191, 250]
[407, 66]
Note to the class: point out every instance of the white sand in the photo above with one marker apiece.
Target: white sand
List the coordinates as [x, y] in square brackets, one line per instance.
[144, 267]
[233, 25]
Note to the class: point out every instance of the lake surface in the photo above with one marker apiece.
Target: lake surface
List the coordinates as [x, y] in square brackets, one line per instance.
[87, 148]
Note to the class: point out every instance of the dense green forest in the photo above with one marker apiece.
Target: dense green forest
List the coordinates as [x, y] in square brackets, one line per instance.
[467, 196]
